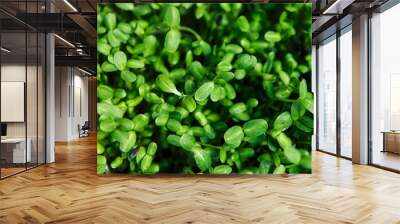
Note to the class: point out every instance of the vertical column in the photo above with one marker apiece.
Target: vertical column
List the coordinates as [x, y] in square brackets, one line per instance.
[50, 92]
[314, 90]
[360, 90]
[338, 91]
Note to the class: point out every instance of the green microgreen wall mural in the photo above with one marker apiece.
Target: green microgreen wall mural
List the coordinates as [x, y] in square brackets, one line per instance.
[204, 88]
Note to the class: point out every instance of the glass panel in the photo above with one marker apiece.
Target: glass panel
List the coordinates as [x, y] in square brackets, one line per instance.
[385, 84]
[14, 151]
[346, 94]
[32, 88]
[327, 96]
[41, 99]
[32, 96]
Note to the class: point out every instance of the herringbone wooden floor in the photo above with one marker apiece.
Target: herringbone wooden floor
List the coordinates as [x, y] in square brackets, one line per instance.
[69, 191]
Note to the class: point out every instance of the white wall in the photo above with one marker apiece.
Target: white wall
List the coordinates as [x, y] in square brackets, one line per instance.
[70, 83]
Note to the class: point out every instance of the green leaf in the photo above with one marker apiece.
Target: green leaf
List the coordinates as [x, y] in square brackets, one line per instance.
[154, 168]
[140, 154]
[303, 89]
[222, 154]
[188, 58]
[197, 69]
[172, 40]
[165, 84]
[233, 48]
[243, 24]
[126, 124]
[246, 153]
[125, 6]
[279, 170]
[297, 110]
[141, 121]
[174, 125]
[120, 35]
[108, 67]
[135, 64]
[305, 124]
[292, 155]
[117, 162]
[142, 10]
[240, 74]
[109, 110]
[202, 159]
[150, 44]
[200, 118]
[272, 37]
[283, 121]
[204, 91]
[174, 140]
[112, 39]
[284, 141]
[230, 91]
[100, 148]
[130, 141]
[284, 77]
[305, 161]
[162, 119]
[189, 103]
[222, 169]
[255, 127]
[120, 60]
[308, 102]
[152, 149]
[111, 20]
[224, 66]
[264, 167]
[128, 76]
[237, 108]
[104, 92]
[108, 125]
[246, 62]
[252, 102]
[218, 93]
[103, 48]
[234, 136]
[205, 48]
[187, 142]
[146, 162]
[172, 17]
[119, 94]
[102, 167]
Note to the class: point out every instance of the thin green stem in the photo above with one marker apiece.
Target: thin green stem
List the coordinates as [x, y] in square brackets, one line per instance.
[189, 30]
[288, 100]
[211, 146]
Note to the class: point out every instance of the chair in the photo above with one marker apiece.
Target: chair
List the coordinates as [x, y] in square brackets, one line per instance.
[84, 129]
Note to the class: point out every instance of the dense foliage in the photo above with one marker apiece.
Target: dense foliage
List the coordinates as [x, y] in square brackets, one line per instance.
[204, 88]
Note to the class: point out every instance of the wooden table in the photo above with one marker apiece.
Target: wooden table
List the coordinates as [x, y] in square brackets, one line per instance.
[391, 141]
[16, 147]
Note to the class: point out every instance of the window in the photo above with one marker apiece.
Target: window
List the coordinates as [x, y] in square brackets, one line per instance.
[346, 92]
[327, 95]
[385, 89]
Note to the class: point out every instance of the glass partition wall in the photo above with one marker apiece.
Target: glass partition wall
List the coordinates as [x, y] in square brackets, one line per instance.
[334, 94]
[22, 77]
[327, 95]
[385, 90]
[345, 91]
